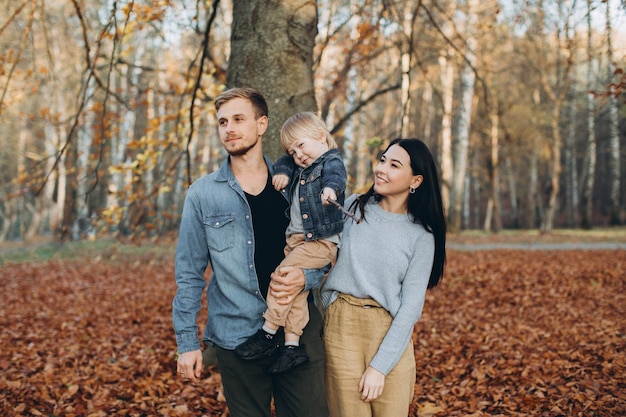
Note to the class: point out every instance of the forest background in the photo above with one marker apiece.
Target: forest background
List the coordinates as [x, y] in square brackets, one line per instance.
[106, 108]
[106, 116]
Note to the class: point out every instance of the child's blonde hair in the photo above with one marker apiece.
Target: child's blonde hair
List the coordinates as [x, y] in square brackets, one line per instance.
[305, 124]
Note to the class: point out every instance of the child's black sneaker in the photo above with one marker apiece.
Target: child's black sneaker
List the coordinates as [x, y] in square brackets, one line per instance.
[288, 357]
[259, 345]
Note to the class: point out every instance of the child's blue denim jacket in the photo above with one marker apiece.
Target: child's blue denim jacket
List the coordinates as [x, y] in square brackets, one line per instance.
[328, 170]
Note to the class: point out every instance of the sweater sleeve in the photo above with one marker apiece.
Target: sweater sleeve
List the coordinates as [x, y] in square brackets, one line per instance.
[413, 295]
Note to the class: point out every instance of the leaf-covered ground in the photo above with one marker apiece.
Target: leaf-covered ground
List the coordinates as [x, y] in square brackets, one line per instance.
[508, 333]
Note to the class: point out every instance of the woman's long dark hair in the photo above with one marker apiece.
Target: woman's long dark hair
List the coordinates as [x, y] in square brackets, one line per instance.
[425, 204]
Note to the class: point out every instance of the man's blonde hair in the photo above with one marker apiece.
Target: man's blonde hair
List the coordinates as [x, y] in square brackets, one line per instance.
[306, 124]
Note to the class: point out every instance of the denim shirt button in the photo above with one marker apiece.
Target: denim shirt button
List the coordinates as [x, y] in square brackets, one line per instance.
[309, 235]
[305, 216]
[302, 182]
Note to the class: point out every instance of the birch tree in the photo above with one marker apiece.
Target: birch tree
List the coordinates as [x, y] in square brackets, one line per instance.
[461, 148]
[569, 154]
[447, 92]
[494, 178]
[534, 198]
[555, 87]
[406, 62]
[590, 154]
[614, 145]
[571, 192]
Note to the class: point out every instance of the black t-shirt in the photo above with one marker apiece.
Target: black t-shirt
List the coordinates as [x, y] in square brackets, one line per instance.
[269, 222]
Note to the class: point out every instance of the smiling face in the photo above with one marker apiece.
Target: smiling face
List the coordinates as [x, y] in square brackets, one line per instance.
[238, 128]
[393, 175]
[305, 151]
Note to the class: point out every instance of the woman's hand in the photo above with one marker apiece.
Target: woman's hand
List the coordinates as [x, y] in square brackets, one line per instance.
[371, 384]
[287, 282]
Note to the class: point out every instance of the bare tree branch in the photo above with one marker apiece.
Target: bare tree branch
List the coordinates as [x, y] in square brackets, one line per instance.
[13, 16]
[19, 52]
[360, 105]
[197, 86]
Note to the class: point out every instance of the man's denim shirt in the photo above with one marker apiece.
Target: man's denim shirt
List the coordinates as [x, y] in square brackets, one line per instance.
[216, 228]
[318, 220]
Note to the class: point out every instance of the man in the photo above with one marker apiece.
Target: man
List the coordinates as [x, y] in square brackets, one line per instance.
[235, 220]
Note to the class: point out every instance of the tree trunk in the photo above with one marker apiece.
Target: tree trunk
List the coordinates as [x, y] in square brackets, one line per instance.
[272, 50]
[135, 214]
[363, 165]
[467, 195]
[512, 193]
[8, 216]
[534, 199]
[406, 74]
[468, 80]
[615, 215]
[556, 87]
[21, 171]
[427, 112]
[447, 94]
[555, 174]
[51, 203]
[83, 144]
[488, 215]
[496, 226]
[571, 166]
[589, 174]
[476, 188]
[354, 146]
[71, 183]
[447, 87]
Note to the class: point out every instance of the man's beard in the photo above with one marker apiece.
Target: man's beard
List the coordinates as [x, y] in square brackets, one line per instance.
[241, 151]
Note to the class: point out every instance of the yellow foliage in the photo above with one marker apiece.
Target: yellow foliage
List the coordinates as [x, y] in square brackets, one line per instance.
[115, 169]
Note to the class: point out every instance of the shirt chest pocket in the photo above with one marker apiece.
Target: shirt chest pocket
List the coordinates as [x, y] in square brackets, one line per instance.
[220, 231]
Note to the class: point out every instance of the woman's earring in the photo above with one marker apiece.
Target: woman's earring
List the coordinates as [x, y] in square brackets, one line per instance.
[412, 190]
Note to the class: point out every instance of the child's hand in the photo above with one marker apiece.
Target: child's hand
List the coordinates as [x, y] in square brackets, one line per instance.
[280, 181]
[328, 194]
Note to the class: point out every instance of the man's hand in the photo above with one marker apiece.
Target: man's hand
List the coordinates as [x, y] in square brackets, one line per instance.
[189, 365]
[371, 384]
[280, 181]
[287, 282]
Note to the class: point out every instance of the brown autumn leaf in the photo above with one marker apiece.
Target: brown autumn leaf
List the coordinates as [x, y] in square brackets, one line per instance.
[428, 409]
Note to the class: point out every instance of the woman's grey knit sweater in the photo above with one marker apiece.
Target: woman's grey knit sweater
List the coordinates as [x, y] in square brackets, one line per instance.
[388, 258]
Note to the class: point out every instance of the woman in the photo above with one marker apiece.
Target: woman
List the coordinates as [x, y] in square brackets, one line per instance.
[392, 250]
